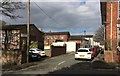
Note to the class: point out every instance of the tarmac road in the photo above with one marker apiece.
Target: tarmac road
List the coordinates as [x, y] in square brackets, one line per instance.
[66, 64]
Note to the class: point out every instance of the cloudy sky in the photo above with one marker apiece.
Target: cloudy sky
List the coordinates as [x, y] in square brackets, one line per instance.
[74, 16]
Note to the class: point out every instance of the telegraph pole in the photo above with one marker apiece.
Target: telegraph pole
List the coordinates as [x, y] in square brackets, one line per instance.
[28, 28]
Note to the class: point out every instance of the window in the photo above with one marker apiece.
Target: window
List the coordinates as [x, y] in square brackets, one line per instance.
[39, 50]
[118, 34]
[82, 50]
[32, 50]
[119, 9]
[10, 39]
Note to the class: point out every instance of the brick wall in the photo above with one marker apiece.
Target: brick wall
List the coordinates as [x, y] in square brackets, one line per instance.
[49, 39]
[108, 56]
[111, 55]
[114, 14]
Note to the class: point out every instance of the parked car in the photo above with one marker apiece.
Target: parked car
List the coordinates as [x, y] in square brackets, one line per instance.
[84, 53]
[34, 56]
[38, 51]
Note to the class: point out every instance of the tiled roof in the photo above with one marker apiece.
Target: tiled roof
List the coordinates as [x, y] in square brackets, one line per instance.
[87, 36]
[75, 37]
[19, 27]
[57, 33]
[15, 26]
[79, 37]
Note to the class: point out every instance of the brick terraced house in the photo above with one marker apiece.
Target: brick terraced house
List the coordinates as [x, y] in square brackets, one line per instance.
[110, 13]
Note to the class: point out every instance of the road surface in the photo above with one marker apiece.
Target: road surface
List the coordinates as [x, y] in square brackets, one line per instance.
[65, 64]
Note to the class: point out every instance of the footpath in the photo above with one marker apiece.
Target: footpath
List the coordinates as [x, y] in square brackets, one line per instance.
[99, 60]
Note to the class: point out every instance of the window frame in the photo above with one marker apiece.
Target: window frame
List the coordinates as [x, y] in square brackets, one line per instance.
[118, 35]
[118, 9]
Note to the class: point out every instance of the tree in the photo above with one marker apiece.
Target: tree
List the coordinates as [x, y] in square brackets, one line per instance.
[2, 22]
[8, 8]
[99, 35]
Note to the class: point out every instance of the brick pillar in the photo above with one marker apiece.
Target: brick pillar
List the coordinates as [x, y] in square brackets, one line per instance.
[108, 23]
[111, 22]
[112, 14]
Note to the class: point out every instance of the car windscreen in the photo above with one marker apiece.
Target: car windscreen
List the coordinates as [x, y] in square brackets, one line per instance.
[82, 50]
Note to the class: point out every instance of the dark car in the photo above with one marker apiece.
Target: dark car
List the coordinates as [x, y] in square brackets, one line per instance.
[34, 56]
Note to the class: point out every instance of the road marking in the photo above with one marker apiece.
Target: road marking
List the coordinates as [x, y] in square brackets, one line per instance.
[61, 62]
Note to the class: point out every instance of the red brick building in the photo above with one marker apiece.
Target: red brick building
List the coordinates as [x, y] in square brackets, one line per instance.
[110, 18]
[51, 37]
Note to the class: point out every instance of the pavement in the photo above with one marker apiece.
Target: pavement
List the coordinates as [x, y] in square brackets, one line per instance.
[100, 60]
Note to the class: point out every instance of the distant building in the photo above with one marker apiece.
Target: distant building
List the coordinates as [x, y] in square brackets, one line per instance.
[76, 38]
[81, 40]
[90, 38]
[51, 37]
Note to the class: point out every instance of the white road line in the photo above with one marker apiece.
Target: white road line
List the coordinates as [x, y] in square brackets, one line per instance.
[61, 62]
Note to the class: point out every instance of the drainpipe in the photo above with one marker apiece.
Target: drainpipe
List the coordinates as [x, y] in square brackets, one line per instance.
[104, 36]
[111, 30]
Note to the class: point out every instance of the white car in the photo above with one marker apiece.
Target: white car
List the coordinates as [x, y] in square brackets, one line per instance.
[38, 51]
[84, 53]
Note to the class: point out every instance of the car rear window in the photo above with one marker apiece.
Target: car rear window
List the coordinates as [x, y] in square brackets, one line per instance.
[32, 50]
[90, 49]
[39, 50]
[82, 50]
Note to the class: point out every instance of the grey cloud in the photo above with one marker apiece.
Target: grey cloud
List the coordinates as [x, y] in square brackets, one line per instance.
[66, 16]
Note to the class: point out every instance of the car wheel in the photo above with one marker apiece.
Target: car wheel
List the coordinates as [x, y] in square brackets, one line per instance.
[92, 57]
[76, 58]
[39, 57]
